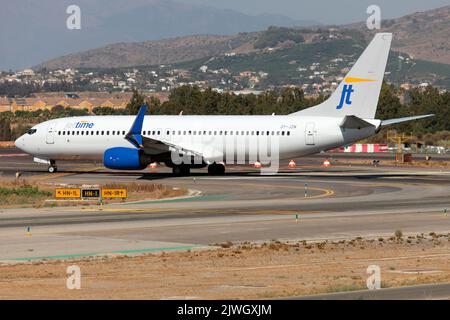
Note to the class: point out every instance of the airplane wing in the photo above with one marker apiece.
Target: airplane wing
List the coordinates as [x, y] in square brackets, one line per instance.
[149, 145]
[154, 146]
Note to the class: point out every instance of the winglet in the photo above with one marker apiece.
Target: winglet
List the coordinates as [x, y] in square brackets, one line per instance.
[134, 135]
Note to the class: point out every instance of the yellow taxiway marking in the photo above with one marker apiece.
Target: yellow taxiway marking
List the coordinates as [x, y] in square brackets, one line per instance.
[326, 192]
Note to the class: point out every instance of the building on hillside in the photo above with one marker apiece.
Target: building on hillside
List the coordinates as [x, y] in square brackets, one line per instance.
[85, 100]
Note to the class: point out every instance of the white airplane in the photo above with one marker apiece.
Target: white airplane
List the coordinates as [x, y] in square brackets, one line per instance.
[134, 142]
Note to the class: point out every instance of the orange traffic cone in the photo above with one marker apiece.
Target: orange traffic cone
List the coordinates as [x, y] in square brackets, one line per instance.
[292, 164]
[153, 165]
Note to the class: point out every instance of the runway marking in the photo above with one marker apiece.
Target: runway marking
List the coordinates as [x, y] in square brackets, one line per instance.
[123, 210]
[131, 251]
[63, 174]
[8, 155]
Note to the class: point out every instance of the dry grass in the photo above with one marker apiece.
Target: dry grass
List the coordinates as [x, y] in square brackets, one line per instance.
[244, 271]
[24, 193]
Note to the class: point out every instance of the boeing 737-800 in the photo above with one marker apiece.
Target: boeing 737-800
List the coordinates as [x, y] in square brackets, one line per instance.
[184, 142]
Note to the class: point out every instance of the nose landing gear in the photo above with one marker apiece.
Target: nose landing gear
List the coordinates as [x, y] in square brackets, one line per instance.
[52, 167]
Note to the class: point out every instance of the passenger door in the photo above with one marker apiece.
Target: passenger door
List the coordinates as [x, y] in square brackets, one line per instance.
[310, 134]
[50, 138]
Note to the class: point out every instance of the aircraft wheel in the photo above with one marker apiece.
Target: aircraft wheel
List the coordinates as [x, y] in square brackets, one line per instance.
[181, 170]
[216, 169]
[52, 169]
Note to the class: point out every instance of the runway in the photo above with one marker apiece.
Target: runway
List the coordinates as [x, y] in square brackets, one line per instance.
[339, 203]
[420, 292]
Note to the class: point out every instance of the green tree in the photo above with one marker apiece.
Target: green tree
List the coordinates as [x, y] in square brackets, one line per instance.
[136, 101]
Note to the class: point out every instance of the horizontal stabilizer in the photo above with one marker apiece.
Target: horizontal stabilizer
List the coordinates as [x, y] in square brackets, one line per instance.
[353, 122]
[399, 120]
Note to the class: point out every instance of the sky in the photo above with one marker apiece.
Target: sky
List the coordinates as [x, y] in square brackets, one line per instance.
[325, 11]
[34, 31]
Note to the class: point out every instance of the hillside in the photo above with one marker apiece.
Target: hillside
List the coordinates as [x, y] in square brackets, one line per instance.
[423, 35]
[36, 30]
[151, 52]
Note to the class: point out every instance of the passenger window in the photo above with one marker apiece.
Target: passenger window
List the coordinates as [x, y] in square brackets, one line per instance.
[288, 133]
[103, 132]
[282, 133]
[159, 132]
[268, 133]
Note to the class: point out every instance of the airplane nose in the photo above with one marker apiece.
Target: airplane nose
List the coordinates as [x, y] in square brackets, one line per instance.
[20, 143]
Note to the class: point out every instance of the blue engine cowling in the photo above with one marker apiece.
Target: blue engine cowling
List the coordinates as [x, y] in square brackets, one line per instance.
[125, 159]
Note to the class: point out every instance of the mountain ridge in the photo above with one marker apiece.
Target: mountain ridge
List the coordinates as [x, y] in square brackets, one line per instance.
[414, 41]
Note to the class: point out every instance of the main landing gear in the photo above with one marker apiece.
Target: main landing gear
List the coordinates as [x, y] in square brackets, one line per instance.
[181, 170]
[52, 167]
[216, 169]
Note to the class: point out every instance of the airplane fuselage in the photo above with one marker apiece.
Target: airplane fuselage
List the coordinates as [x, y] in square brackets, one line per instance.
[228, 136]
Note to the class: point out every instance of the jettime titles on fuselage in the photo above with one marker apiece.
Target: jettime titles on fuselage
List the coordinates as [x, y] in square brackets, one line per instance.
[84, 125]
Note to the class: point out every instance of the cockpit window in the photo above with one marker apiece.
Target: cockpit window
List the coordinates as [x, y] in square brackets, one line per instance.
[31, 131]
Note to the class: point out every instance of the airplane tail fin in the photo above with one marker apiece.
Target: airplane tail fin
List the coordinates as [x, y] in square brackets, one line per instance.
[357, 95]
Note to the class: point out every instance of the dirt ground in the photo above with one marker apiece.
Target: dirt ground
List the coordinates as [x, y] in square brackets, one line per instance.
[245, 271]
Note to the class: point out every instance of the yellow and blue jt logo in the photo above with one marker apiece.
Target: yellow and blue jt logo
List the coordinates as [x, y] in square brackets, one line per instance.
[348, 90]
[345, 96]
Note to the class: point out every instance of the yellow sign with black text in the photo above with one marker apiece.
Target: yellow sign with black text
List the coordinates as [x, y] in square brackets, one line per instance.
[67, 193]
[114, 193]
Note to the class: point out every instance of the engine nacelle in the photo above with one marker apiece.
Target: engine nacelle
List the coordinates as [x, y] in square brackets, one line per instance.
[125, 159]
